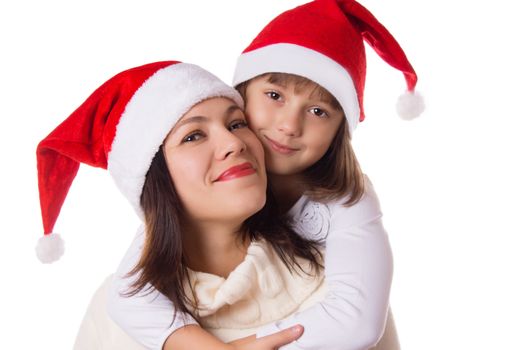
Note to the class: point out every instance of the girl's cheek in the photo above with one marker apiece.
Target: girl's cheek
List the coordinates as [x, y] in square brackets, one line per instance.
[254, 120]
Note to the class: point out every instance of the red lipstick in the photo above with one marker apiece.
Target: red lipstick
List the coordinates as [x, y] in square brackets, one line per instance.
[237, 171]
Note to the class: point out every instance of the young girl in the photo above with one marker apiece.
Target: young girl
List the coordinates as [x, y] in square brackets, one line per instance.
[305, 118]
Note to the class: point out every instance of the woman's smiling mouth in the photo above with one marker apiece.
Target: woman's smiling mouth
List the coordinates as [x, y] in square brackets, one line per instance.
[237, 171]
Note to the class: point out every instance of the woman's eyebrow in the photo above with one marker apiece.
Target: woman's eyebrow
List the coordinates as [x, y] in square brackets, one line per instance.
[201, 119]
[194, 119]
[232, 109]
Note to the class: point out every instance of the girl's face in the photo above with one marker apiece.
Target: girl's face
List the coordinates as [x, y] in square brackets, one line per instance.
[216, 162]
[295, 127]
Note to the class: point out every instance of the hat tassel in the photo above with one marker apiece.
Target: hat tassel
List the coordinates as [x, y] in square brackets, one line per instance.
[50, 248]
[410, 105]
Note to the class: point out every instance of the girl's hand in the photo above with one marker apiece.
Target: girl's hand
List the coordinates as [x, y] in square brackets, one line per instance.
[270, 342]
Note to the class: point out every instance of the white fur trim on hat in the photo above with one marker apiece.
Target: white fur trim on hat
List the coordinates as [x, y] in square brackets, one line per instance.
[150, 115]
[299, 60]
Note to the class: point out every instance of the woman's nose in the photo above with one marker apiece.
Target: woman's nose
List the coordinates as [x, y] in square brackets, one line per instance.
[229, 144]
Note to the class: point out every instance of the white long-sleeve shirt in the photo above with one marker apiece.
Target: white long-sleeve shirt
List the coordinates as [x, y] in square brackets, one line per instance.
[358, 272]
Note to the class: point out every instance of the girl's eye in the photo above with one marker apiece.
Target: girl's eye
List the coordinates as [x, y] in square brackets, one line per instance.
[273, 95]
[318, 112]
[238, 124]
[194, 136]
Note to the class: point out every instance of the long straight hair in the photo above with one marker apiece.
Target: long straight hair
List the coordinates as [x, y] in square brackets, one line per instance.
[163, 261]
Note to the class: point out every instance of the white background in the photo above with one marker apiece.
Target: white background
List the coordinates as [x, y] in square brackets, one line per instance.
[451, 183]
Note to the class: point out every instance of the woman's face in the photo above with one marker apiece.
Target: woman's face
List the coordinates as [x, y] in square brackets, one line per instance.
[216, 162]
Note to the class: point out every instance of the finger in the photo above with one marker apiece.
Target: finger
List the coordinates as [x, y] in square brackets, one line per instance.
[283, 337]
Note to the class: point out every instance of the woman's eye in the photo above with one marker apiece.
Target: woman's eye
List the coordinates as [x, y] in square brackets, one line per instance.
[318, 112]
[194, 136]
[273, 95]
[238, 124]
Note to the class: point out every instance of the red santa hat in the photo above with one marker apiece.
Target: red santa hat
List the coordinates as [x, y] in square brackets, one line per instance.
[323, 41]
[120, 127]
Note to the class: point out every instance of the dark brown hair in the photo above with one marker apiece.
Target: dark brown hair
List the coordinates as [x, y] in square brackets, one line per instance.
[163, 263]
[337, 174]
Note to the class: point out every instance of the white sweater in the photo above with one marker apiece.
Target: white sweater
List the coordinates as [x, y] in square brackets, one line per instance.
[358, 272]
[260, 290]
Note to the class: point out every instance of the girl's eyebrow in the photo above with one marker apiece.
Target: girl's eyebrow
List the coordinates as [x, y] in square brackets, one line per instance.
[320, 97]
[316, 94]
[278, 82]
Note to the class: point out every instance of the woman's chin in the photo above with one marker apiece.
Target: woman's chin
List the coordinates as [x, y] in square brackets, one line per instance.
[249, 198]
[249, 203]
[236, 206]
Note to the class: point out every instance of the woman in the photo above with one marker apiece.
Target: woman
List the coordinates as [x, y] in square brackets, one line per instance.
[210, 163]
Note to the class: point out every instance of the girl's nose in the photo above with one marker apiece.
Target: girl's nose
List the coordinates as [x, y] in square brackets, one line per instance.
[290, 122]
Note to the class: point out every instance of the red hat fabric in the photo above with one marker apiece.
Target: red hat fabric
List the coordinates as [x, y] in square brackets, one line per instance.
[120, 127]
[323, 41]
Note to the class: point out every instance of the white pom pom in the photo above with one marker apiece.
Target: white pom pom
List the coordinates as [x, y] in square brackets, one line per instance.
[410, 105]
[50, 248]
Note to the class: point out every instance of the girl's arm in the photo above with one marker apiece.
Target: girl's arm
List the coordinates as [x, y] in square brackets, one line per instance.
[358, 270]
[194, 337]
[148, 318]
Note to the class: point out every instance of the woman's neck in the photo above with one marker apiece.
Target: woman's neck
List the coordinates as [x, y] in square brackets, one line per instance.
[287, 190]
[215, 248]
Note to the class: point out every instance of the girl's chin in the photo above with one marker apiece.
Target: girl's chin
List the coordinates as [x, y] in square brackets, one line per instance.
[284, 170]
